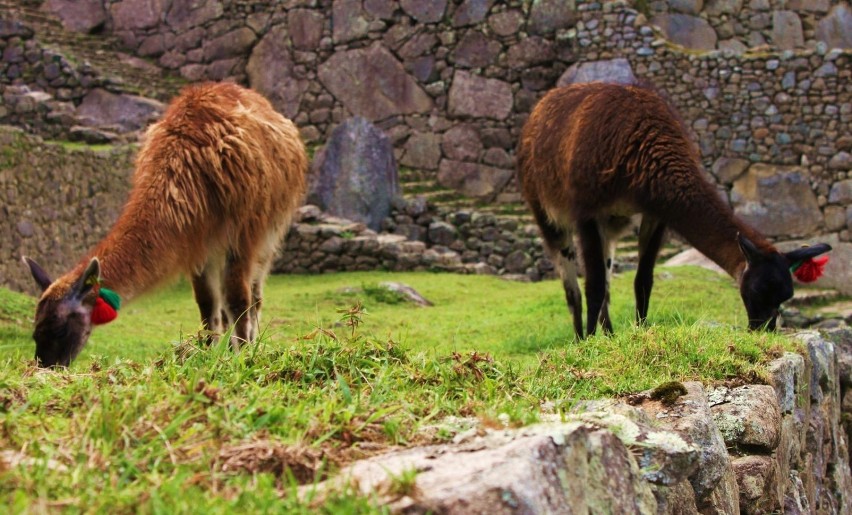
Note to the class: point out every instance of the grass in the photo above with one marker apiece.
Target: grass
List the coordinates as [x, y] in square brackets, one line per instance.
[149, 420]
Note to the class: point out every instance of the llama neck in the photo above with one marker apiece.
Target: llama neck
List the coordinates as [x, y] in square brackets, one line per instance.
[709, 225]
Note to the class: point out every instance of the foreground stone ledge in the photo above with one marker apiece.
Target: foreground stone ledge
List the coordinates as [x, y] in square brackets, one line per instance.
[778, 448]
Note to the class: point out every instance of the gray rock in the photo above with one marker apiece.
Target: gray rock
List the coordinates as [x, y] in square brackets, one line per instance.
[305, 28]
[787, 373]
[617, 71]
[841, 192]
[513, 472]
[425, 11]
[355, 175]
[506, 23]
[836, 28]
[717, 7]
[530, 51]
[348, 22]
[406, 291]
[422, 151]
[475, 50]
[758, 480]
[14, 28]
[778, 200]
[472, 95]
[78, 15]
[472, 179]
[471, 12]
[747, 416]
[686, 6]
[787, 30]
[442, 233]
[384, 88]
[229, 45]
[548, 16]
[840, 161]
[382, 9]
[686, 30]
[727, 169]
[270, 72]
[183, 16]
[691, 417]
[125, 112]
[461, 143]
[517, 262]
[136, 14]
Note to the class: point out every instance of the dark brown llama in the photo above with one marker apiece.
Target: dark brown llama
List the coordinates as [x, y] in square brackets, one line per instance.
[216, 183]
[591, 156]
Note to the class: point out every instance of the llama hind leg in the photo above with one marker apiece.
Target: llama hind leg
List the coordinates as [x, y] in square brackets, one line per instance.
[257, 283]
[559, 243]
[609, 244]
[592, 245]
[238, 296]
[207, 288]
[651, 232]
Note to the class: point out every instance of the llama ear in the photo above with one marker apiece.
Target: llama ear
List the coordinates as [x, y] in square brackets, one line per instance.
[40, 276]
[752, 254]
[804, 253]
[90, 277]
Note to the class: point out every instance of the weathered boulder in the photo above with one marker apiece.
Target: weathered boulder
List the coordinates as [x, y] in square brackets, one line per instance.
[841, 192]
[475, 50]
[787, 30]
[686, 30]
[472, 95]
[136, 14]
[778, 200]
[183, 16]
[270, 72]
[78, 15]
[425, 11]
[617, 71]
[382, 87]
[422, 151]
[728, 169]
[747, 416]
[461, 143]
[471, 12]
[355, 174]
[348, 21]
[233, 44]
[473, 179]
[836, 28]
[548, 16]
[122, 111]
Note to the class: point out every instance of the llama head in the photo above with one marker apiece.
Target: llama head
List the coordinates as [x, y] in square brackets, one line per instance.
[63, 319]
[767, 281]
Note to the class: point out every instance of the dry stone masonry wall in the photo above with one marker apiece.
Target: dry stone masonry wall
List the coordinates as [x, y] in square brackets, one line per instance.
[753, 449]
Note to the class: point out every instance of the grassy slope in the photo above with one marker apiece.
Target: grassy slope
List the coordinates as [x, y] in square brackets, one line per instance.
[136, 423]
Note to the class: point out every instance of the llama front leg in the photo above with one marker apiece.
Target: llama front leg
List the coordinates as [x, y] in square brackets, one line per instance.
[559, 243]
[238, 297]
[651, 232]
[609, 244]
[591, 243]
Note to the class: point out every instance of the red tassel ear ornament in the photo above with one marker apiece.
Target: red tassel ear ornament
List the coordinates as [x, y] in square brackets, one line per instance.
[810, 269]
[106, 307]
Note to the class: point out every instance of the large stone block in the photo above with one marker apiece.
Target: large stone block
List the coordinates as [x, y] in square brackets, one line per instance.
[777, 200]
[473, 179]
[836, 28]
[548, 16]
[270, 71]
[472, 95]
[422, 151]
[78, 15]
[305, 28]
[355, 175]
[185, 15]
[425, 11]
[372, 83]
[617, 71]
[127, 112]
[475, 50]
[787, 30]
[688, 31]
[348, 21]
[136, 14]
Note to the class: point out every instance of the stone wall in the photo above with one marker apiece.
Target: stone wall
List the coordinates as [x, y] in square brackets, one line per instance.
[781, 447]
[56, 202]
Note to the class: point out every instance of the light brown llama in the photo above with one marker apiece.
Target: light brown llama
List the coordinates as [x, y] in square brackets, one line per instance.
[216, 183]
[592, 155]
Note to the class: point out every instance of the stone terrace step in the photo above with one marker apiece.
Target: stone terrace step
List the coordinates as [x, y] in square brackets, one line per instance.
[122, 71]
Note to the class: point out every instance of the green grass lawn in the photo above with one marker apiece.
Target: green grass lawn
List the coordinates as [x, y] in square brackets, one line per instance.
[148, 420]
